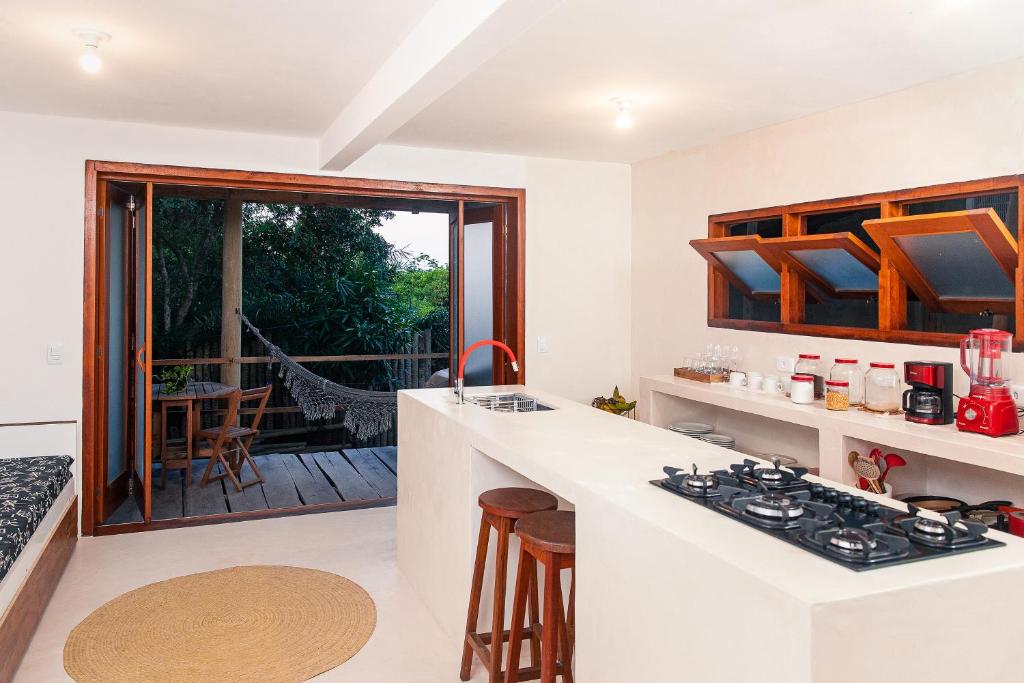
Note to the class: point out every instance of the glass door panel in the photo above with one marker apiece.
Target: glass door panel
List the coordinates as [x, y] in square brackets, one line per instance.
[118, 225]
[481, 238]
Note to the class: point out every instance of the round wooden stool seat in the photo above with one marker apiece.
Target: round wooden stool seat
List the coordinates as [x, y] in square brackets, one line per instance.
[551, 531]
[514, 502]
[501, 508]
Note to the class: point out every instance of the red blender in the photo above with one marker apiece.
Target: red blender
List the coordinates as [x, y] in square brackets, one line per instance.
[989, 408]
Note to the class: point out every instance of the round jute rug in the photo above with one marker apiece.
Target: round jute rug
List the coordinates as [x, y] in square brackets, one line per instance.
[259, 623]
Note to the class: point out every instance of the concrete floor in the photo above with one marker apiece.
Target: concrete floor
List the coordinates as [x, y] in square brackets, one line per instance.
[358, 544]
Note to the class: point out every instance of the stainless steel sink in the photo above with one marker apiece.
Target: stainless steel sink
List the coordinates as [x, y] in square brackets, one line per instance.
[509, 403]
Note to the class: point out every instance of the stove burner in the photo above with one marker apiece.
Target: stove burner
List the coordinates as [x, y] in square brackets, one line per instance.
[857, 546]
[771, 509]
[701, 484]
[692, 484]
[772, 478]
[775, 506]
[952, 532]
[852, 541]
[930, 527]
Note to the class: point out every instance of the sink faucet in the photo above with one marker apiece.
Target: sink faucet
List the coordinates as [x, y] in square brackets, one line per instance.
[460, 383]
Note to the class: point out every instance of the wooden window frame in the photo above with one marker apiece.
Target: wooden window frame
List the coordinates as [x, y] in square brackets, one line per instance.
[847, 241]
[984, 222]
[97, 173]
[892, 288]
[708, 248]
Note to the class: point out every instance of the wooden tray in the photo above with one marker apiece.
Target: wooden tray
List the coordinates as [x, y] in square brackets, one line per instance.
[686, 373]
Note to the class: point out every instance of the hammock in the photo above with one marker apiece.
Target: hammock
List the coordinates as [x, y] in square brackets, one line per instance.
[367, 413]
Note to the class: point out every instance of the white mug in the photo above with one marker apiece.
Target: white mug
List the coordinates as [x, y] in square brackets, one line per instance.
[772, 384]
[754, 380]
[737, 379]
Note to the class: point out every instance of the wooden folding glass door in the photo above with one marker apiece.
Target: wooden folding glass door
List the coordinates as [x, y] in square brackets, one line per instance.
[124, 370]
[481, 293]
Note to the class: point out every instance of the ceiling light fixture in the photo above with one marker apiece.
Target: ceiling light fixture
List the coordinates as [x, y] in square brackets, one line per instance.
[90, 59]
[624, 121]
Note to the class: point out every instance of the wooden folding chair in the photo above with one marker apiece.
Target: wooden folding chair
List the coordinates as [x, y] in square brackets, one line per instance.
[230, 442]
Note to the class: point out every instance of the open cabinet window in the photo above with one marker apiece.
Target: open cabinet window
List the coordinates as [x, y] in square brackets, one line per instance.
[840, 272]
[751, 272]
[960, 266]
[921, 265]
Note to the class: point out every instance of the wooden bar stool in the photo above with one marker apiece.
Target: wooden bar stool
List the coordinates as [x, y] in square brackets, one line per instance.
[548, 538]
[501, 508]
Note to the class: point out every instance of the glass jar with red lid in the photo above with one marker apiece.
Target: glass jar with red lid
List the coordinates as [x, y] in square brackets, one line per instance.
[837, 394]
[801, 389]
[848, 370]
[882, 389]
[810, 364]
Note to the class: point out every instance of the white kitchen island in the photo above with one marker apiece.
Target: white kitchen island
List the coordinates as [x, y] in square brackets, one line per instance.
[669, 591]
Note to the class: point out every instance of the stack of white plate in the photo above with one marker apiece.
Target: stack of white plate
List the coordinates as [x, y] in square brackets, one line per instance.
[694, 430]
[723, 440]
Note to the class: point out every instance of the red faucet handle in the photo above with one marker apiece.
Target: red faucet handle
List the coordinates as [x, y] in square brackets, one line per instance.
[485, 342]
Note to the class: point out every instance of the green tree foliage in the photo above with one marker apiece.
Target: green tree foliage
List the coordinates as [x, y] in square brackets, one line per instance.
[423, 284]
[187, 240]
[317, 280]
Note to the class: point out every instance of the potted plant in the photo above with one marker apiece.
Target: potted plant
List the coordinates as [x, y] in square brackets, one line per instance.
[176, 378]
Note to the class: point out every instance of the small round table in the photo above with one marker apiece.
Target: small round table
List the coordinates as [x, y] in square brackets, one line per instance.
[190, 400]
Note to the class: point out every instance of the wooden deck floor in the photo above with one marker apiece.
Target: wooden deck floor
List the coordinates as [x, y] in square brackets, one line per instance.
[292, 480]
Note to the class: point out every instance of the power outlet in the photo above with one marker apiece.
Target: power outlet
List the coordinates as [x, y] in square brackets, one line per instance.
[785, 364]
[1018, 394]
[542, 344]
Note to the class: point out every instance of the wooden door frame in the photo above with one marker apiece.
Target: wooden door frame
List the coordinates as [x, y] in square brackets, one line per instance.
[97, 172]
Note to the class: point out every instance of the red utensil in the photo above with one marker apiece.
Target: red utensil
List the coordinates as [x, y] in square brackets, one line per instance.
[892, 460]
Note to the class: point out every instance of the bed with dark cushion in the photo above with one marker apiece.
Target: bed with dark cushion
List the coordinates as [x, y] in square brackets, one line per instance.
[28, 488]
[38, 532]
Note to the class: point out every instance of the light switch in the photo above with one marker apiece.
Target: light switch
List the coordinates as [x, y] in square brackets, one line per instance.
[55, 354]
[542, 344]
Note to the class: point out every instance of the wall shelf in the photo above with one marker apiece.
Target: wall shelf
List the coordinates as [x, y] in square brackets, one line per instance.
[837, 429]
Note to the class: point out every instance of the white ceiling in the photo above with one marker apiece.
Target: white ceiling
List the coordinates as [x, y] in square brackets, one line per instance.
[256, 65]
[697, 70]
[703, 70]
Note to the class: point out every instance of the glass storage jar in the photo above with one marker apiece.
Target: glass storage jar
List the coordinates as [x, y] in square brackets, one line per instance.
[801, 389]
[848, 370]
[882, 389]
[837, 394]
[810, 364]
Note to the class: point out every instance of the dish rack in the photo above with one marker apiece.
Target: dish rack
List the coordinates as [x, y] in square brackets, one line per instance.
[505, 403]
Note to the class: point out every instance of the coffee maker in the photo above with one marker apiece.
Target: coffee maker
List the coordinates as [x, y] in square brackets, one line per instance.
[989, 407]
[929, 400]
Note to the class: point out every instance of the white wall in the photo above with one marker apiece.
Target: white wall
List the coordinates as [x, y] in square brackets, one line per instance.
[962, 128]
[577, 227]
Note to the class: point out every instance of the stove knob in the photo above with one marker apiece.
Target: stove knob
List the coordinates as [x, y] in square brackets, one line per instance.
[831, 494]
[844, 499]
[873, 507]
[817, 490]
[859, 504]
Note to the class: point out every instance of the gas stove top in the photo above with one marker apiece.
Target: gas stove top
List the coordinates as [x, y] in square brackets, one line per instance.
[846, 529]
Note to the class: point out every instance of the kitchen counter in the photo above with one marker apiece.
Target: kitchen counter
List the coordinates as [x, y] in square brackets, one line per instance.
[669, 591]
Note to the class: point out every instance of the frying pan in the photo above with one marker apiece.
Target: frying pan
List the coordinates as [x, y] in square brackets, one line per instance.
[948, 504]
